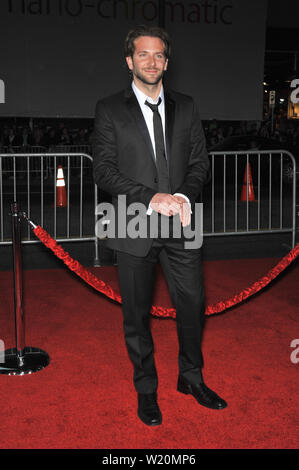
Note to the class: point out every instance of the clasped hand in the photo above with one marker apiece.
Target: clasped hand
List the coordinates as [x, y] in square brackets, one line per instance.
[168, 204]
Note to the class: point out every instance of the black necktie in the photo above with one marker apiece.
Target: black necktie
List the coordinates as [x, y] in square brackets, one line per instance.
[161, 161]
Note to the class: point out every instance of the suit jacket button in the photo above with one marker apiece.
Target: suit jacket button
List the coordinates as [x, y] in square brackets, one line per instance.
[156, 180]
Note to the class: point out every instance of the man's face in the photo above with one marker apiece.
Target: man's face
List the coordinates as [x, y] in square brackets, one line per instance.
[148, 62]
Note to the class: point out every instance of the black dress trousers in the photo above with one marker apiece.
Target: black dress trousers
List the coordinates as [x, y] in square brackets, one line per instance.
[183, 272]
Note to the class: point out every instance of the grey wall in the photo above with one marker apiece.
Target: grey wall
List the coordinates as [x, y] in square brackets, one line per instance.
[58, 57]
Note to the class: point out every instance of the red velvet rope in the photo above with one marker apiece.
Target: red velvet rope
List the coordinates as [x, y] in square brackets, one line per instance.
[157, 311]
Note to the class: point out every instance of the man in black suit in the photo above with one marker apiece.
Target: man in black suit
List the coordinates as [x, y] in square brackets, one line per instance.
[149, 148]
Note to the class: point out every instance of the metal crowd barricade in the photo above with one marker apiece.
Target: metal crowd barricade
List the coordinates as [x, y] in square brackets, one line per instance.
[9, 163]
[274, 186]
[273, 211]
[36, 194]
[79, 149]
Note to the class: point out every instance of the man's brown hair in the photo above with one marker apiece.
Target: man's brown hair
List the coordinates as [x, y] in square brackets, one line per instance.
[144, 30]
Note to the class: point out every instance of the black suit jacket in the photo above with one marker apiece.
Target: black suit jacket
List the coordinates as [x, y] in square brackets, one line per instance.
[124, 162]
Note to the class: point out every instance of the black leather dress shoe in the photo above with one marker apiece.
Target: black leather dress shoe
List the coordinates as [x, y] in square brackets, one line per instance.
[148, 409]
[204, 395]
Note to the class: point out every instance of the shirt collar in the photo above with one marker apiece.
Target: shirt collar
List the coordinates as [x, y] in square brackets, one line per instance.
[142, 97]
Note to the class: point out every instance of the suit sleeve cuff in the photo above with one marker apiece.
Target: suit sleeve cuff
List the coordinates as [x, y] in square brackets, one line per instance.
[149, 210]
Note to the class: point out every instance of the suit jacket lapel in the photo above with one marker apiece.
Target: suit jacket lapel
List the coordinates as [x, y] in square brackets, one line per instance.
[169, 122]
[135, 110]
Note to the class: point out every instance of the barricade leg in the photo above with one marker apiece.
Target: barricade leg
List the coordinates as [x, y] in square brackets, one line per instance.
[21, 359]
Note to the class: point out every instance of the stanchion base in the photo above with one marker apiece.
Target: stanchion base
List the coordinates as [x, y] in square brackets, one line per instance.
[33, 360]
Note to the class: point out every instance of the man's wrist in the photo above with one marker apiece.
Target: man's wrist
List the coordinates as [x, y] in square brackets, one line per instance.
[150, 209]
[185, 197]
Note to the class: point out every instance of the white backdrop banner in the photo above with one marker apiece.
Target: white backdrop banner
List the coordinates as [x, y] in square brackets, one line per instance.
[57, 57]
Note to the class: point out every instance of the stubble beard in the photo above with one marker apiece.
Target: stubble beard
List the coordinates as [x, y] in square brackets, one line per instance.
[144, 80]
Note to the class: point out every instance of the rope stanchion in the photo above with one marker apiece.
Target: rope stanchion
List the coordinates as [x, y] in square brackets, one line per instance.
[256, 286]
[21, 359]
[158, 311]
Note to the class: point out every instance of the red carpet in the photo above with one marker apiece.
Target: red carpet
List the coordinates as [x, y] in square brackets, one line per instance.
[85, 397]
